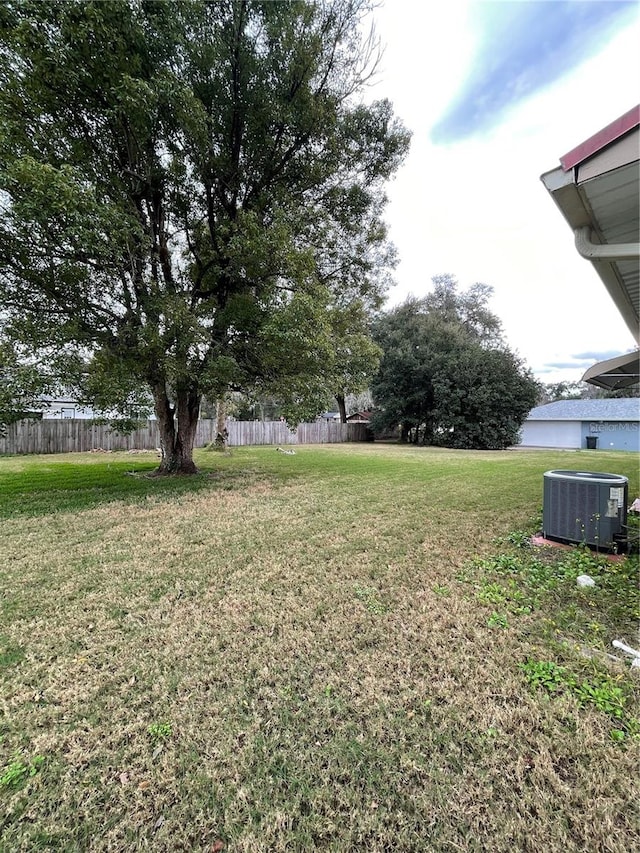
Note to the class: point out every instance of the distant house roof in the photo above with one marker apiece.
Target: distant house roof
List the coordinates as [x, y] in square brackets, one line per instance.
[360, 416]
[627, 409]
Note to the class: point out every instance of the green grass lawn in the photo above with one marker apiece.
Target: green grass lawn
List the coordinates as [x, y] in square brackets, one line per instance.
[352, 648]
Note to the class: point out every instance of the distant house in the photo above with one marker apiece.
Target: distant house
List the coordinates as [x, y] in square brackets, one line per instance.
[65, 406]
[61, 407]
[359, 418]
[329, 416]
[602, 424]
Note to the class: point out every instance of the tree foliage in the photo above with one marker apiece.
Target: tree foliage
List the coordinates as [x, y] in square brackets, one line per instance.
[22, 383]
[186, 190]
[446, 376]
[552, 391]
[356, 355]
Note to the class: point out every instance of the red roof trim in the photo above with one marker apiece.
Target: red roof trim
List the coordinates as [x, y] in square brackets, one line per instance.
[601, 139]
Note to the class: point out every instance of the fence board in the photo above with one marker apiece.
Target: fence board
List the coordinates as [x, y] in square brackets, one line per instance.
[78, 435]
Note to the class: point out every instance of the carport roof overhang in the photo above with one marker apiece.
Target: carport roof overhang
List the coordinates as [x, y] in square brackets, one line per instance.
[597, 190]
[615, 373]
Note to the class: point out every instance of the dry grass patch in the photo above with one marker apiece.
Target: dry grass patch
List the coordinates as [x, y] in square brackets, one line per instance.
[301, 662]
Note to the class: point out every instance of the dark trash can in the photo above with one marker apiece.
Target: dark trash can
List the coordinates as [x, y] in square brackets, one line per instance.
[592, 442]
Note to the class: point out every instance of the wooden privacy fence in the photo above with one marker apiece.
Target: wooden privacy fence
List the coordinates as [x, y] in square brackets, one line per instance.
[78, 435]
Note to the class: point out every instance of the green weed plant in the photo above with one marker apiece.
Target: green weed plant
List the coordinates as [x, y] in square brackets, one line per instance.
[19, 770]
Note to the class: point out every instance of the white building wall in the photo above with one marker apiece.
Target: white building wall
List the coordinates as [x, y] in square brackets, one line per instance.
[551, 434]
[62, 409]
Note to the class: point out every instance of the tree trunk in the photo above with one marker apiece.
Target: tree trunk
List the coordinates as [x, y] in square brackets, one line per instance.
[342, 408]
[176, 439]
[221, 424]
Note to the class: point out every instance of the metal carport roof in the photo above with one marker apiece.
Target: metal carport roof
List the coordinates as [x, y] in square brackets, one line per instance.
[597, 190]
[615, 373]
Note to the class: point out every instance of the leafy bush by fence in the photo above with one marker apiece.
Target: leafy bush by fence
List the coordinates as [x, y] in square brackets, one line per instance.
[77, 435]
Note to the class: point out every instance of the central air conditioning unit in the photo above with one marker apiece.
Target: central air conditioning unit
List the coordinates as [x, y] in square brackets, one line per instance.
[586, 507]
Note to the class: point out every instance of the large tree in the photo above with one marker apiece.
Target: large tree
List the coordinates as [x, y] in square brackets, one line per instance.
[446, 375]
[185, 187]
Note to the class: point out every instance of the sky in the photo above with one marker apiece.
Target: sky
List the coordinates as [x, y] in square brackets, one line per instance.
[495, 92]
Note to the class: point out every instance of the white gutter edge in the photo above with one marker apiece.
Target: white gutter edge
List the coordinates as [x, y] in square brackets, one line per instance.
[604, 252]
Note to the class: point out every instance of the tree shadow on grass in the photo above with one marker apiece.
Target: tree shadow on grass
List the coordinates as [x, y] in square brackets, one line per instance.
[62, 487]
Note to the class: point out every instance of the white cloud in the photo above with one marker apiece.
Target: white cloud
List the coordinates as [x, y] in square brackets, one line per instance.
[477, 209]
